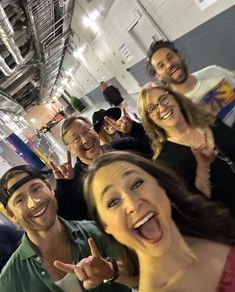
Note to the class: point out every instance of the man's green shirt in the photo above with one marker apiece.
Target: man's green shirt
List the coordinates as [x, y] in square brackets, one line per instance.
[24, 272]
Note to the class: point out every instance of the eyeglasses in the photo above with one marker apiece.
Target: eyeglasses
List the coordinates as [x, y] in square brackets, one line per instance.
[153, 108]
[78, 138]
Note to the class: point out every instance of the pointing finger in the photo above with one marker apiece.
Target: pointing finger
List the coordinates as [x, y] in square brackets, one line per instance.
[124, 112]
[56, 172]
[53, 166]
[68, 268]
[69, 159]
[111, 122]
[94, 250]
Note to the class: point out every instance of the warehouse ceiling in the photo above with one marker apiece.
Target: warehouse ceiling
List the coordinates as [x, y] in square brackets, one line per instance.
[33, 38]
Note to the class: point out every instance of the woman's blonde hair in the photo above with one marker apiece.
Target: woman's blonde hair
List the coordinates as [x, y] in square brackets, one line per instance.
[196, 115]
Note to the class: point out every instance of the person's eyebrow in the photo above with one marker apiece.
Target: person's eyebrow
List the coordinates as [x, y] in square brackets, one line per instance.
[17, 196]
[108, 187]
[14, 197]
[167, 55]
[34, 184]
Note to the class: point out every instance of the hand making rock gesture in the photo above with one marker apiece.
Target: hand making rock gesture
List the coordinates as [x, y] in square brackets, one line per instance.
[205, 153]
[91, 270]
[123, 124]
[65, 170]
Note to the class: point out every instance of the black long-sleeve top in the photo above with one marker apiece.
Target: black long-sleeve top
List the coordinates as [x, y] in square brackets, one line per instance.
[181, 159]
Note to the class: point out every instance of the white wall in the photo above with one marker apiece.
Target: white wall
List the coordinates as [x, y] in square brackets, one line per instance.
[177, 17]
[102, 56]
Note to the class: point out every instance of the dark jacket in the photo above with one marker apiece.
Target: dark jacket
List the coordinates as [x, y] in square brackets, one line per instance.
[138, 132]
[112, 95]
[69, 193]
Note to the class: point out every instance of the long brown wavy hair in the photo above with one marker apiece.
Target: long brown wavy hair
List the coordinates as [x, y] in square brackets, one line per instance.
[193, 214]
[196, 115]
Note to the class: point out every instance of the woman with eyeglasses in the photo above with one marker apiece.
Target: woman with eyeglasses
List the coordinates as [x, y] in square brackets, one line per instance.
[189, 139]
[183, 242]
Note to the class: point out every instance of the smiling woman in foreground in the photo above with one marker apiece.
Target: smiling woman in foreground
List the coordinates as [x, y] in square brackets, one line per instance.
[183, 242]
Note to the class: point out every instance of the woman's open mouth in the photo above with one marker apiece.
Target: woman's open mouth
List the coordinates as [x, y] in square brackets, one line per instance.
[149, 228]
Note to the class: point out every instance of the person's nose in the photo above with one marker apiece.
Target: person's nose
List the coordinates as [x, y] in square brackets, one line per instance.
[84, 138]
[161, 108]
[132, 203]
[32, 201]
[168, 63]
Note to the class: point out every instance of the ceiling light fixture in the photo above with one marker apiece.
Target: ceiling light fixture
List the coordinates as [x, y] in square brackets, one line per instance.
[87, 21]
[79, 51]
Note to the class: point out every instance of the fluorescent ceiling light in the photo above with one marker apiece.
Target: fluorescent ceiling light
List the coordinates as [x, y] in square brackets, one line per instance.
[79, 51]
[94, 15]
[48, 105]
[87, 21]
[64, 81]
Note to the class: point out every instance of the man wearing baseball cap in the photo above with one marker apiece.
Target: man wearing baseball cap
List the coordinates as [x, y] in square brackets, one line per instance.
[30, 202]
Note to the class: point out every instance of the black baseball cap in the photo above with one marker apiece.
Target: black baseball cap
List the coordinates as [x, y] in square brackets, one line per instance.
[5, 193]
[98, 117]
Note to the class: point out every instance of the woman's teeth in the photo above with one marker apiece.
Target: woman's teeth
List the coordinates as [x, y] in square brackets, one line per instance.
[167, 115]
[144, 220]
[149, 228]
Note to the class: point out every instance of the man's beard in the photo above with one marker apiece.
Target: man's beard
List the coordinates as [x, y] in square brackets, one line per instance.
[169, 80]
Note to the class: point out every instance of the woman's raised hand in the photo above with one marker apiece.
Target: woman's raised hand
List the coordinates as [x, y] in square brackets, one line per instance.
[123, 124]
[65, 170]
[206, 153]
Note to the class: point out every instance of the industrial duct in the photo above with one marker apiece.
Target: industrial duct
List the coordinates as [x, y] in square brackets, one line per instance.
[6, 34]
[6, 70]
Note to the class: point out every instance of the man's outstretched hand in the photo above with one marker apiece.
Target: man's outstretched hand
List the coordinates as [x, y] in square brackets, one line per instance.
[91, 270]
